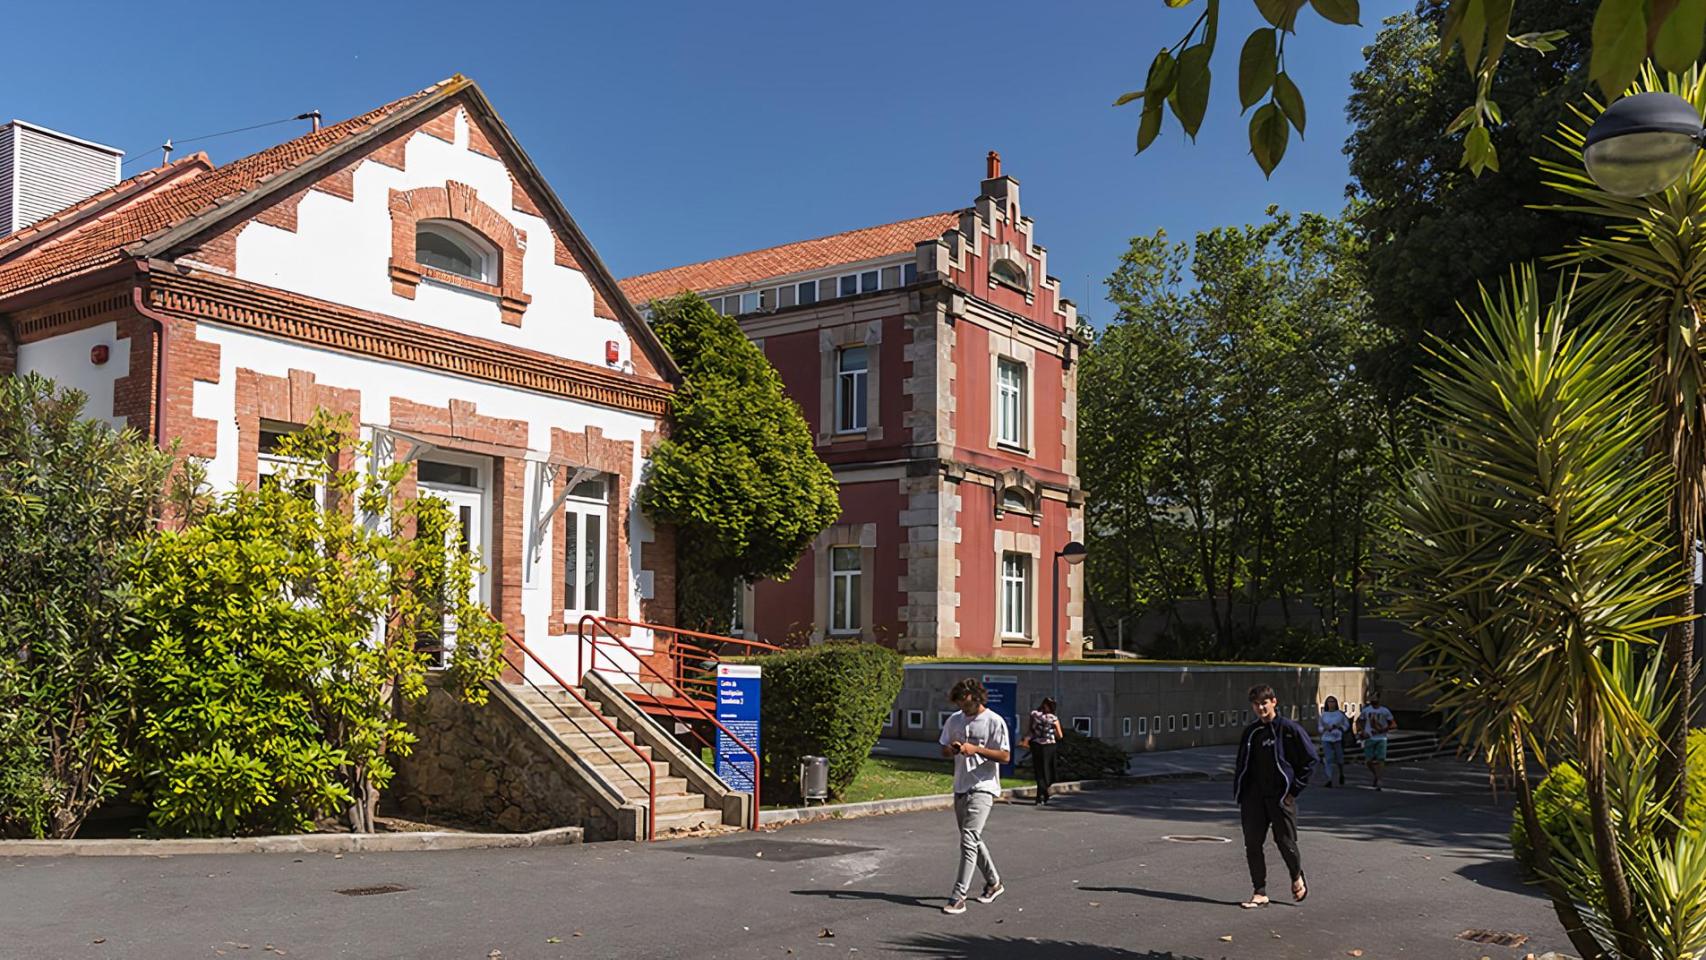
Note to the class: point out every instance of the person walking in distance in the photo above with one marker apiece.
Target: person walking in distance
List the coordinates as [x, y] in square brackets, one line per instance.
[1275, 757]
[976, 739]
[1376, 722]
[1043, 740]
[1333, 724]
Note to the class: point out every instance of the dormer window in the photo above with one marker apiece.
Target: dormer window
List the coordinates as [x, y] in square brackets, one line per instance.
[442, 246]
[1009, 273]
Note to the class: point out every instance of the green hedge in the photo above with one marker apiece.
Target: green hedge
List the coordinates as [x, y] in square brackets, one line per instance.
[829, 701]
[1563, 795]
[1080, 757]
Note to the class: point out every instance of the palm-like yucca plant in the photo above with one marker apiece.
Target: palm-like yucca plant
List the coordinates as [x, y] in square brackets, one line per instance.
[1532, 548]
[1651, 264]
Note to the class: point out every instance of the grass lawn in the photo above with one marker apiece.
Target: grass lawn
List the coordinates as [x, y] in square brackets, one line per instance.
[885, 778]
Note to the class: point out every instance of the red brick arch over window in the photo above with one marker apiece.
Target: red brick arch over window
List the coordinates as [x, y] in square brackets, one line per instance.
[458, 202]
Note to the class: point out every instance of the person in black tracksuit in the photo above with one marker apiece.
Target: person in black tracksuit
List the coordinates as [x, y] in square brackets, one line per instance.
[1275, 757]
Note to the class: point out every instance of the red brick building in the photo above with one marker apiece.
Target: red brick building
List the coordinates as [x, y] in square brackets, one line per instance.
[410, 268]
[934, 359]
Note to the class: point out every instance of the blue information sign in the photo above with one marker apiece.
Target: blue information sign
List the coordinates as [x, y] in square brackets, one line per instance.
[1004, 700]
[738, 699]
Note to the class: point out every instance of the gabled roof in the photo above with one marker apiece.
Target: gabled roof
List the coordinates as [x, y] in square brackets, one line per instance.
[802, 256]
[169, 215]
[172, 201]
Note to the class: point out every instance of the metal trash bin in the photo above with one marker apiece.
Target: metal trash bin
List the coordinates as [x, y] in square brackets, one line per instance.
[814, 778]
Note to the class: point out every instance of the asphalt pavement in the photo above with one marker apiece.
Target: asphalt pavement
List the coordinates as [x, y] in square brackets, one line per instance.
[1400, 873]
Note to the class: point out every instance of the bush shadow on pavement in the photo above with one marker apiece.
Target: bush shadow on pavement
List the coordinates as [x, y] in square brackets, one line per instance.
[1171, 895]
[950, 946]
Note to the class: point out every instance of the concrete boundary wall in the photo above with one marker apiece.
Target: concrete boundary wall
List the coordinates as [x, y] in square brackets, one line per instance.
[1197, 704]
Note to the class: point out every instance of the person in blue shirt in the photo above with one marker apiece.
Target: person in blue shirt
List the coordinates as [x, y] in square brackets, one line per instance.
[1275, 758]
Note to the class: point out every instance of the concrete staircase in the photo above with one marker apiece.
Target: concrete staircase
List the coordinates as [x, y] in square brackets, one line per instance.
[685, 802]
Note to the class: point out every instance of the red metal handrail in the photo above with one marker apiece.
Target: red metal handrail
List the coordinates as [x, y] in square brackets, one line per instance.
[601, 624]
[651, 765]
[685, 655]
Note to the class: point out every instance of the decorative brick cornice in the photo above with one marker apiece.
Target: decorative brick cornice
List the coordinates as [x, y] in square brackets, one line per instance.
[336, 327]
[40, 325]
[458, 202]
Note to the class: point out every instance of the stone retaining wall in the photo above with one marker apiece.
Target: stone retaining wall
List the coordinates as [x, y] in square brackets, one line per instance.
[491, 768]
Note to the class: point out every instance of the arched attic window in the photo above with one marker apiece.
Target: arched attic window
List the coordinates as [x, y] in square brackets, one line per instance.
[1014, 498]
[445, 246]
[1010, 273]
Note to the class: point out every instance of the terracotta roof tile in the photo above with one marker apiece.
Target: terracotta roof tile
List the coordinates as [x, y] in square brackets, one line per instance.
[104, 238]
[805, 255]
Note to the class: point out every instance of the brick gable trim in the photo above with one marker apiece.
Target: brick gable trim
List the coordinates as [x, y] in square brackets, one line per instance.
[185, 234]
[202, 297]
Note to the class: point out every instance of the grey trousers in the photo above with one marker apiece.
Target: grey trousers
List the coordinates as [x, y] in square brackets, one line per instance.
[971, 810]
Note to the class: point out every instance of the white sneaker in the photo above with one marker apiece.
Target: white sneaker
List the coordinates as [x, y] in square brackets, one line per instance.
[990, 893]
[956, 905]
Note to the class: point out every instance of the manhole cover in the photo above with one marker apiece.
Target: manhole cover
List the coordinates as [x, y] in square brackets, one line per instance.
[1195, 838]
[1495, 937]
[373, 891]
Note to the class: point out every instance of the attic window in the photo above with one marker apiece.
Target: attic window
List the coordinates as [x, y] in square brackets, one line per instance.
[444, 247]
[1009, 273]
[1013, 498]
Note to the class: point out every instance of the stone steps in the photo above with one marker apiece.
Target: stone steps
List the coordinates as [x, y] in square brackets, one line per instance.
[679, 809]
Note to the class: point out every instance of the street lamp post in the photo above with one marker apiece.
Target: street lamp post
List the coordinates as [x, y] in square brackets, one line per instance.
[1072, 553]
[1642, 144]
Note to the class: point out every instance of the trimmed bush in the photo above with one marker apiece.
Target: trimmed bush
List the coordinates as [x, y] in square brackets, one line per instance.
[1081, 757]
[1562, 796]
[827, 701]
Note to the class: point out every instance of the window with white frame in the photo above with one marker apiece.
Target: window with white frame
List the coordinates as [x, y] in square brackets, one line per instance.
[849, 285]
[444, 246]
[869, 281]
[586, 522]
[274, 469]
[1125, 726]
[1010, 402]
[1081, 725]
[852, 369]
[845, 578]
[1142, 726]
[1155, 724]
[808, 293]
[915, 719]
[750, 301]
[1015, 594]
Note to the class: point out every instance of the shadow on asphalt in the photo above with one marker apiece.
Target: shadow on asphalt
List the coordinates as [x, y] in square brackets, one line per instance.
[1172, 895]
[932, 903]
[950, 946]
[1437, 804]
[1500, 875]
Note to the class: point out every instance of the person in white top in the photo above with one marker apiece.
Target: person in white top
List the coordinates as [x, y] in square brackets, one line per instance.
[976, 740]
[1375, 722]
[1332, 724]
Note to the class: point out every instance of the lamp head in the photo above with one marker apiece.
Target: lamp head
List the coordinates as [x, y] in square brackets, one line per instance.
[1642, 144]
[1073, 553]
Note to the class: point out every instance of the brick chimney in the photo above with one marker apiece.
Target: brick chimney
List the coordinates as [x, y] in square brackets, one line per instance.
[1001, 188]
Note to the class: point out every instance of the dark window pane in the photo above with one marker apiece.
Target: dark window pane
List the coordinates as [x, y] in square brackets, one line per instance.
[435, 249]
[868, 281]
[849, 285]
[909, 273]
[808, 292]
[594, 548]
[571, 557]
[460, 474]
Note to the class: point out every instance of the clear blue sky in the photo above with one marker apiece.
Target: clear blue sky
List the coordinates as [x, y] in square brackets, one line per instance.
[677, 132]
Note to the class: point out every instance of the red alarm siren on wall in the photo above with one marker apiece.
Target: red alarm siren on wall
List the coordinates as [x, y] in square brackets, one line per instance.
[98, 354]
[612, 351]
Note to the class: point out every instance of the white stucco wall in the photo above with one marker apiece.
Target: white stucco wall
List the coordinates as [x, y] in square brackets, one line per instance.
[379, 383]
[65, 359]
[341, 252]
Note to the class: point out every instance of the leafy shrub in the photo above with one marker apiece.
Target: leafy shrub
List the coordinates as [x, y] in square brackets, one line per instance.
[76, 497]
[278, 633]
[1081, 757]
[1561, 798]
[831, 701]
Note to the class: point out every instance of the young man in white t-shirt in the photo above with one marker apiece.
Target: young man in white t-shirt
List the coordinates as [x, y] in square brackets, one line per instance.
[1376, 722]
[976, 739]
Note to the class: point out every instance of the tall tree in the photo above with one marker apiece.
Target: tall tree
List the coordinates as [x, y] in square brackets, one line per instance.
[1230, 442]
[1434, 232]
[738, 476]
